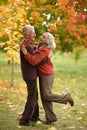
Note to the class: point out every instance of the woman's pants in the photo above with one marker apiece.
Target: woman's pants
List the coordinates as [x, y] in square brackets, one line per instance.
[47, 97]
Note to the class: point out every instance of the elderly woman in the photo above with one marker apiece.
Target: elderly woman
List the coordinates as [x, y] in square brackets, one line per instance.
[46, 76]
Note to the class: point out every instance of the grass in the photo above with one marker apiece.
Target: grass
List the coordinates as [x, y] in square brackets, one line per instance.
[68, 77]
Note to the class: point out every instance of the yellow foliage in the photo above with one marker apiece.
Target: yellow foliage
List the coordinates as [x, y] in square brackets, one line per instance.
[10, 1]
[2, 33]
[2, 44]
[20, 10]
[42, 1]
[13, 55]
[31, 4]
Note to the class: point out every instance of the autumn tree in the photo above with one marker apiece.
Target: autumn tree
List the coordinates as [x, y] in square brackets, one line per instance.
[65, 19]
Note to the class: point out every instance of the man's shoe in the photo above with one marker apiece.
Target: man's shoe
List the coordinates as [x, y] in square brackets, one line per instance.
[70, 100]
[24, 124]
[35, 120]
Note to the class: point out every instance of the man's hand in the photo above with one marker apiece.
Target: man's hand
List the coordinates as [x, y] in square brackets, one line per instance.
[24, 50]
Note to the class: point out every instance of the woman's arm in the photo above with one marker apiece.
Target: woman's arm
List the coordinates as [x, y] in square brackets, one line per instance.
[38, 57]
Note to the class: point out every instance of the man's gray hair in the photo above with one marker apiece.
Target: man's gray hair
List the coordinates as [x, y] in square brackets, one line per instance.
[50, 41]
[27, 28]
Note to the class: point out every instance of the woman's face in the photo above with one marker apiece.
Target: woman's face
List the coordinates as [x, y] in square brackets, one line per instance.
[43, 38]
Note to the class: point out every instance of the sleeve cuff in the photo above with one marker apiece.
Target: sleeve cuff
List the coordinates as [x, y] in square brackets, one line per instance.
[26, 55]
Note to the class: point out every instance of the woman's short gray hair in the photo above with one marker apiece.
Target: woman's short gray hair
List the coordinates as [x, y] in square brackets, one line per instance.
[27, 28]
[50, 41]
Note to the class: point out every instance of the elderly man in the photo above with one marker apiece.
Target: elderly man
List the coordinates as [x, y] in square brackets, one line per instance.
[29, 73]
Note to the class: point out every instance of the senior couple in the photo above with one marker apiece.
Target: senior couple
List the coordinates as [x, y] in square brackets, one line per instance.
[36, 62]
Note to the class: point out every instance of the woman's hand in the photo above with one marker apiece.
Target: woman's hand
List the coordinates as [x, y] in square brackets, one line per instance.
[24, 50]
[50, 54]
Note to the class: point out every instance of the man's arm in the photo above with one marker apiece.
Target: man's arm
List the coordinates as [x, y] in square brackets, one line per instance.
[30, 49]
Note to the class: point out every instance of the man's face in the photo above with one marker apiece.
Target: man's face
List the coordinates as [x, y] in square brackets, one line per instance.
[30, 35]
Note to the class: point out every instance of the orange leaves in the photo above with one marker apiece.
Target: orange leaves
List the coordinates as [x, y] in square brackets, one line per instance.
[71, 12]
[35, 15]
[63, 4]
[2, 33]
[18, 91]
[71, 3]
[81, 1]
[54, 16]
[71, 27]
[52, 28]
[80, 17]
[66, 3]
[68, 40]
[31, 4]
[83, 29]
[77, 35]
[3, 85]
[72, 20]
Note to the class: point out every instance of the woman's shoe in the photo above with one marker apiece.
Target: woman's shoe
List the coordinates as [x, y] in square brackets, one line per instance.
[48, 122]
[70, 100]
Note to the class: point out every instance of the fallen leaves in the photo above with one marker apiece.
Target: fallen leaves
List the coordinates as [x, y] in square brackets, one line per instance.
[18, 126]
[84, 105]
[3, 85]
[38, 122]
[51, 128]
[71, 127]
[79, 118]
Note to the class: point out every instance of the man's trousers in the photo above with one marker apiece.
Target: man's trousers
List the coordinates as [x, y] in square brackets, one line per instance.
[31, 110]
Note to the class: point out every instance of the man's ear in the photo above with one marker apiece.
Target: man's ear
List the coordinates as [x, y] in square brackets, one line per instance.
[47, 41]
